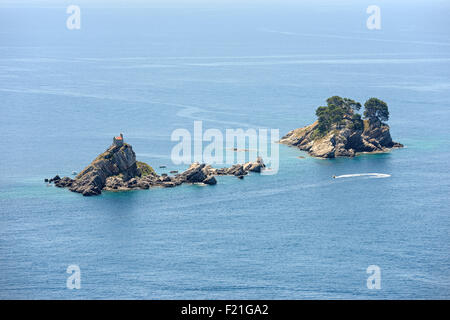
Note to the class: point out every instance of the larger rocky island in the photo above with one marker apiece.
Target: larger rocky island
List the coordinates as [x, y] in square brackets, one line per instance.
[116, 169]
[341, 132]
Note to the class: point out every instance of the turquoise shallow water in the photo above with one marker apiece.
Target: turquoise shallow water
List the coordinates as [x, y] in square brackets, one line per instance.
[147, 71]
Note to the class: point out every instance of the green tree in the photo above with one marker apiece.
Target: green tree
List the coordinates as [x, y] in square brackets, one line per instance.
[352, 104]
[376, 110]
[348, 105]
[323, 116]
[327, 116]
[321, 111]
[336, 114]
[335, 100]
[357, 123]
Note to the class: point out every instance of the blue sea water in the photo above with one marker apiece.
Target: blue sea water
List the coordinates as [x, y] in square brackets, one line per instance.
[146, 69]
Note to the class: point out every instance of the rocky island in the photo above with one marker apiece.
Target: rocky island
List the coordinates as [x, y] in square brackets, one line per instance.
[341, 132]
[116, 169]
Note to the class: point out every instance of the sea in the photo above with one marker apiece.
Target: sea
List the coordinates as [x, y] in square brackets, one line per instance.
[147, 68]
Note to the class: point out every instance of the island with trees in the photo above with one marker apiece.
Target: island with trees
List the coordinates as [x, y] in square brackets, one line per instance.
[340, 131]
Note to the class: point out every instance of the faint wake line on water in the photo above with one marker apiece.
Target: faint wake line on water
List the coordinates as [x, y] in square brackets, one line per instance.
[245, 196]
[190, 111]
[187, 111]
[319, 61]
[371, 175]
[262, 193]
[286, 62]
[336, 36]
[433, 87]
[273, 56]
[267, 60]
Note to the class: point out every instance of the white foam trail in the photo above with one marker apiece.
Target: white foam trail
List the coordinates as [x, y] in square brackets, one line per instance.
[371, 175]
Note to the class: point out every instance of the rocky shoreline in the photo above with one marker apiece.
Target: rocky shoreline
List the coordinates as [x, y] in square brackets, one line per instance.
[341, 142]
[117, 170]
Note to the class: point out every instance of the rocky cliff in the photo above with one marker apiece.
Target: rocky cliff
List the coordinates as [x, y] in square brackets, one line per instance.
[117, 169]
[341, 140]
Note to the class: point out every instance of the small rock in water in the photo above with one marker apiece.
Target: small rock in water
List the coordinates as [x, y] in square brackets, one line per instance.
[54, 179]
[64, 182]
[210, 180]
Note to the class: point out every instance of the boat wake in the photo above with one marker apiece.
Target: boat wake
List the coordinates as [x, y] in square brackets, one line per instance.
[370, 175]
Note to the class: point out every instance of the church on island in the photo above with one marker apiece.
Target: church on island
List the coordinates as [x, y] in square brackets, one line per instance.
[118, 141]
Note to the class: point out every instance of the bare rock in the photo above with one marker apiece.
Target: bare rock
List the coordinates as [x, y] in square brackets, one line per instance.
[194, 174]
[256, 166]
[211, 180]
[63, 183]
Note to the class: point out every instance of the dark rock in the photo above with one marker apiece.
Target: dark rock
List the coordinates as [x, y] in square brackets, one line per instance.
[54, 179]
[194, 173]
[64, 182]
[237, 170]
[132, 183]
[114, 183]
[116, 160]
[143, 185]
[168, 184]
[211, 180]
[91, 191]
[220, 172]
[165, 178]
[256, 166]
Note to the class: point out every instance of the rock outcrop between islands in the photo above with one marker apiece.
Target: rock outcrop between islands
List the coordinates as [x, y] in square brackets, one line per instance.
[117, 170]
[345, 137]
